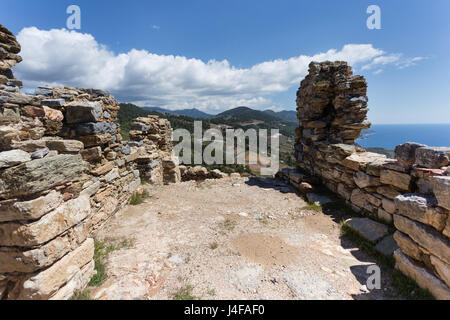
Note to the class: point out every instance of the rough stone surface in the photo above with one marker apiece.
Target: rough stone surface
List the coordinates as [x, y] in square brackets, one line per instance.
[421, 208]
[11, 210]
[406, 153]
[387, 246]
[423, 277]
[369, 229]
[40, 175]
[441, 189]
[396, 179]
[425, 236]
[86, 111]
[433, 158]
[13, 157]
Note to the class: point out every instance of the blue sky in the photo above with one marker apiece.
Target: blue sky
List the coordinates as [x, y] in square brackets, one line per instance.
[259, 51]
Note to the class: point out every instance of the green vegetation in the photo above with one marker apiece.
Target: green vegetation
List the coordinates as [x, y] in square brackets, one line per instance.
[82, 295]
[139, 197]
[101, 252]
[313, 207]
[229, 224]
[184, 293]
[213, 245]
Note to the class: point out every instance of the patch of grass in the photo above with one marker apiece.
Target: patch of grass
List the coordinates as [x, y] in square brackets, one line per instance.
[211, 292]
[313, 207]
[82, 295]
[139, 198]
[145, 181]
[184, 293]
[408, 288]
[213, 245]
[101, 252]
[229, 224]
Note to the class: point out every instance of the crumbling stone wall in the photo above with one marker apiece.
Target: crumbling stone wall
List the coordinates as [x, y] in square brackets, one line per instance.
[64, 170]
[411, 191]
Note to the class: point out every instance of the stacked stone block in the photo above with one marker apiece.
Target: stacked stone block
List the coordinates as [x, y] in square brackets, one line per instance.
[64, 170]
[411, 191]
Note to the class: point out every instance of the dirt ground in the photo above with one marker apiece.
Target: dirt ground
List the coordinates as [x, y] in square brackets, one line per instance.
[232, 239]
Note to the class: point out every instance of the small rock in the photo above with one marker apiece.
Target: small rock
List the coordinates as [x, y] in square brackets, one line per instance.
[41, 153]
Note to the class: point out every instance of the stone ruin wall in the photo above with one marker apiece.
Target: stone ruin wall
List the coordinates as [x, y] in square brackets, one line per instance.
[412, 192]
[64, 170]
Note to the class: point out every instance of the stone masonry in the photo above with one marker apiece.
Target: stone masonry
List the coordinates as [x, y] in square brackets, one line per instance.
[64, 170]
[412, 191]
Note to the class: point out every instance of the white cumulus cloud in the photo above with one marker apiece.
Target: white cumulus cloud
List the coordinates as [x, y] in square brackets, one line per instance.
[63, 57]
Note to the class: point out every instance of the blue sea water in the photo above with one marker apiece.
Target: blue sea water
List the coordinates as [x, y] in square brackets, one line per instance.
[388, 136]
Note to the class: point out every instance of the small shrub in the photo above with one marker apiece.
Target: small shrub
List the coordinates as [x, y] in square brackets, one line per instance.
[313, 207]
[139, 198]
[81, 295]
[184, 293]
[213, 245]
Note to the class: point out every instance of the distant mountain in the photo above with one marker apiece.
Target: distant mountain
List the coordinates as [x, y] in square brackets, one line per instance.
[193, 113]
[287, 116]
[244, 114]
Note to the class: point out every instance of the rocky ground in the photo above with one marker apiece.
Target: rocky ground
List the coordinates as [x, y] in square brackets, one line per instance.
[232, 239]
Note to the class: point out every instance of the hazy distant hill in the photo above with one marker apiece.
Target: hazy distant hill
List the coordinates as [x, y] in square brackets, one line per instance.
[193, 113]
[288, 116]
[244, 114]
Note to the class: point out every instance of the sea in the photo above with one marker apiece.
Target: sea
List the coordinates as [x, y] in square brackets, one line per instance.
[388, 136]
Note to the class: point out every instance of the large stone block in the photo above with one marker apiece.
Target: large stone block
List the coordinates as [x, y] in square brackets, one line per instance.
[406, 153]
[421, 208]
[13, 260]
[422, 276]
[441, 189]
[46, 284]
[77, 282]
[363, 180]
[96, 139]
[48, 227]
[442, 269]
[86, 111]
[433, 158]
[409, 247]
[396, 179]
[65, 145]
[40, 175]
[367, 228]
[13, 158]
[359, 161]
[86, 129]
[13, 210]
[425, 236]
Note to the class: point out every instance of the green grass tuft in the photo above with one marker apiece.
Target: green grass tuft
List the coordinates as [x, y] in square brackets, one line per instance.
[82, 295]
[184, 293]
[139, 198]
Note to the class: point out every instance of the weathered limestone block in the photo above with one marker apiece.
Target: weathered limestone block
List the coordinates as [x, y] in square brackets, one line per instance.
[95, 140]
[344, 192]
[433, 158]
[367, 228]
[92, 128]
[406, 153]
[442, 269]
[48, 227]
[385, 216]
[46, 284]
[65, 145]
[409, 247]
[92, 154]
[30, 145]
[9, 115]
[52, 114]
[389, 206]
[13, 210]
[40, 175]
[53, 102]
[85, 111]
[103, 169]
[396, 179]
[363, 180]
[441, 189]
[426, 237]
[422, 276]
[421, 208]
[388, 192]
[29, 261]
[78, 281]
[13, 158]
[359, 161]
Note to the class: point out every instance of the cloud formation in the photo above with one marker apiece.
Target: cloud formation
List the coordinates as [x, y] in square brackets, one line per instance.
[59, 56]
